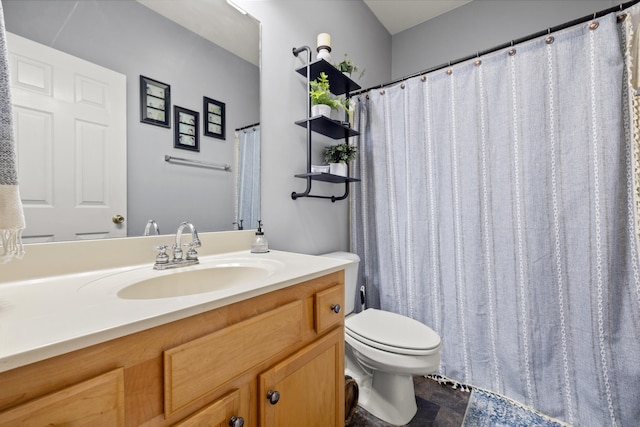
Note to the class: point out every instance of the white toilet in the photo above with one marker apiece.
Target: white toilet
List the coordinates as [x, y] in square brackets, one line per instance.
[383, 352]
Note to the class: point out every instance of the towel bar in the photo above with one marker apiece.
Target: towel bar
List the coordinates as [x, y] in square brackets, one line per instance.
[168, 158]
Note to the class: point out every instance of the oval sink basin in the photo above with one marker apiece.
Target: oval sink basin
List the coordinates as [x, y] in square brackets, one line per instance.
[192, 282]
[211, 275]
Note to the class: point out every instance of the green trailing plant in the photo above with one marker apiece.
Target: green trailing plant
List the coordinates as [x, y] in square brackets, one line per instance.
[347, 66]
[320, 93]
[341, 153]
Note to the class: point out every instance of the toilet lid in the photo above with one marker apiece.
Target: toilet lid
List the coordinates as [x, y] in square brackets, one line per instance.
[391, 332]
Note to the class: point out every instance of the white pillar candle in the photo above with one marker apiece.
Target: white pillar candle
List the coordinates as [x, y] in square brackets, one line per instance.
[324, 39]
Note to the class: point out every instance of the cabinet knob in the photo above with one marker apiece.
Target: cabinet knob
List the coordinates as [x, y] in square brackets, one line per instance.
[335, 308]
[236, 421]
[273, 396]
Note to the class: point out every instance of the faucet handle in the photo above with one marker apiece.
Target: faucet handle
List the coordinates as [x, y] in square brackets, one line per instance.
[162, 257]
[191, 252]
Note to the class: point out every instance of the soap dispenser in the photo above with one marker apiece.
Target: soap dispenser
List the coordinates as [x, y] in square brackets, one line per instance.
[259, 244]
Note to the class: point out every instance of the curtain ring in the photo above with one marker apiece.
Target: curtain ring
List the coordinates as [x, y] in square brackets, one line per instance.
[550, 39]
[381, 91]
[423, 78]
[594, 25]
[402, 86]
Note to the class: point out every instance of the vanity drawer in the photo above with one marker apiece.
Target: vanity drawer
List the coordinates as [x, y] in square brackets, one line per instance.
[329, 308]
[218, 413]
[97, 402]
[198, 367]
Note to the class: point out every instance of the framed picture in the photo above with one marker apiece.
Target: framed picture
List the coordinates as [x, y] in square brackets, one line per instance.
[155, 102]
[186, 129]
[214, 113]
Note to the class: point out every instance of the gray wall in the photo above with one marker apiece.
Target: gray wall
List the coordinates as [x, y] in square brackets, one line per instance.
[306, 225]
[481, 25]
[127, 37]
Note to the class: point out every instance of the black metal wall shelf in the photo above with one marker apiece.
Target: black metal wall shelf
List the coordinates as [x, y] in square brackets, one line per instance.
[339, 84]
[327, 177]
[328, 127]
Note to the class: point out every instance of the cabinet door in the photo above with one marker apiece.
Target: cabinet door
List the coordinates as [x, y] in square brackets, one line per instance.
[223, 412]
[95, 402]
[306, 389]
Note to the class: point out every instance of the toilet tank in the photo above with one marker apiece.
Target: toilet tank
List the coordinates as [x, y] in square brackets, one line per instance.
[350, 278]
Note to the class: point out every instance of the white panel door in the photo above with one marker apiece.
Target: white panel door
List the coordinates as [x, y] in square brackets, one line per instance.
[70, 127]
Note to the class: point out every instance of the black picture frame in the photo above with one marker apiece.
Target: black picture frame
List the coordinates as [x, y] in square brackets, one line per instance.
[214, 118]
[155, 102]
[185, 134]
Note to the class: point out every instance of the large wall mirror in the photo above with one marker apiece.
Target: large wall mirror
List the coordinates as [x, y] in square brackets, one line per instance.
[198, 50]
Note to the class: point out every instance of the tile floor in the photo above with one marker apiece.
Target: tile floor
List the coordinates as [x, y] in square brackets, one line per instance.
[438, 406]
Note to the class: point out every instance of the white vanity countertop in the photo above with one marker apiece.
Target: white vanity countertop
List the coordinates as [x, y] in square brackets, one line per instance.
[45, 317]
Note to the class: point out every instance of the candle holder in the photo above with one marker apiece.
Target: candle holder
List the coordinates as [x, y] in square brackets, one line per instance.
[324, 52]
[324, 46]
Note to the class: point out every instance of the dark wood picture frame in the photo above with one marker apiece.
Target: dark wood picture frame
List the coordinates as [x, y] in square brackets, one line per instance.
[155, 102]
[214, 118]
[185, 134]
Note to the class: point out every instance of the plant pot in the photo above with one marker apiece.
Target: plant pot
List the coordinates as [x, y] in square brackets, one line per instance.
[338, 169]
[320, 110]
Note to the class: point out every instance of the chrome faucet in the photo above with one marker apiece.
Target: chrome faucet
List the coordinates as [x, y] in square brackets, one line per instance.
[151, 224]
[162, 260]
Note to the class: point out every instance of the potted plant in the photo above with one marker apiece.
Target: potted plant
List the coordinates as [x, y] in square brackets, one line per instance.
[347, 67]
[338, 156]
[322, 101]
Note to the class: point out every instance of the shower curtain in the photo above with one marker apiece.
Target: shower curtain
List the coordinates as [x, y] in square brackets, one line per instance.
[497, 207]
[248, 176]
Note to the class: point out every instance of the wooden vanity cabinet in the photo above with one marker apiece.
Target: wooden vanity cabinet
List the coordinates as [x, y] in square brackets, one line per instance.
[211, 369]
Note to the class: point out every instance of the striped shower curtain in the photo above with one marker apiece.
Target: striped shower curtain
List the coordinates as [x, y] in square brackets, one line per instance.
[497, 207]
[248, 177]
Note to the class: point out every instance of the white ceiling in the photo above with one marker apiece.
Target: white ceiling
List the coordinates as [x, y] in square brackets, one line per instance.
[216, 21]
[399, 15]
[225, 26]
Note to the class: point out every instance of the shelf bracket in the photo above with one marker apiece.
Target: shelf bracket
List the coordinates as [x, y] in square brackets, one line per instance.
[333, 199]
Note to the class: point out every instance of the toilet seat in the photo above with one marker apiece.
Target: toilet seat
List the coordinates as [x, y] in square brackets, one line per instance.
[392, 332]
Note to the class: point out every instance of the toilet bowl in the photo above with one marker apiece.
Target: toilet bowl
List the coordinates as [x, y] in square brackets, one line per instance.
[383, 352]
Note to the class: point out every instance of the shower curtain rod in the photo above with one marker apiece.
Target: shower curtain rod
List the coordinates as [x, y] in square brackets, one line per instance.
[258, 124]
[620, 7]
